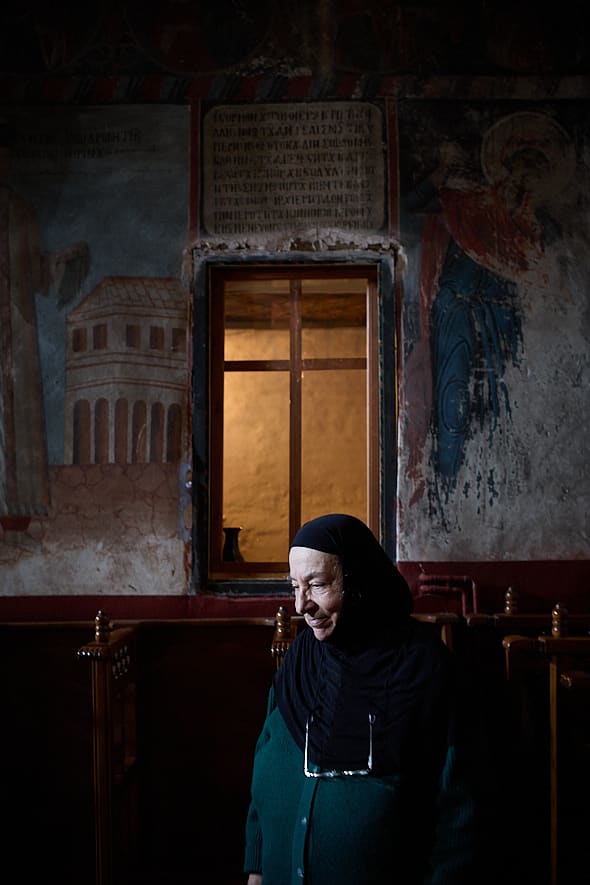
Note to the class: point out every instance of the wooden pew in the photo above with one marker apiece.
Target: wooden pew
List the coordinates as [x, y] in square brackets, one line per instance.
[512, 620]
[455, 593]
[112, 659]
[46, 753]
[201, 686]
[564, 662]
[446, 623]
[286, 627]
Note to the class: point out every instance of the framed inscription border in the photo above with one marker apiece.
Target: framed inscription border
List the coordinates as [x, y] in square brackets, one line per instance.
[297, 167]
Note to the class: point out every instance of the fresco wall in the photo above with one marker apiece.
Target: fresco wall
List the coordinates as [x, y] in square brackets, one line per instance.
[496, 325]
[494, 333]
[484, 115]
[94, 349]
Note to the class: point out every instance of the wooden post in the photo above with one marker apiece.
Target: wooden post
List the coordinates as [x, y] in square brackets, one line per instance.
[559, 625]
[553, 765]
[110, 663]
[282, 636]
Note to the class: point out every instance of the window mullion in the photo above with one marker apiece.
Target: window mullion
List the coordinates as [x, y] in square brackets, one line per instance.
[295, 409]
[373, 408]
[216, 418]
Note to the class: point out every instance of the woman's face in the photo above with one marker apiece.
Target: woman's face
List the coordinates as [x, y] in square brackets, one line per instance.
[316, 578]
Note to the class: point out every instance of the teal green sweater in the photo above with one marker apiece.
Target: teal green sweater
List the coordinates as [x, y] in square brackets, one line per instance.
[353, 830]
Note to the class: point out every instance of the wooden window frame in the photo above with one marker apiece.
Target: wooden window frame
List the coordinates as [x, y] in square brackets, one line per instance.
[382, 403]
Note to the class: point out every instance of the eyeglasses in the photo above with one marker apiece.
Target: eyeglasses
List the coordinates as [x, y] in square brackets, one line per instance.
[335, 772]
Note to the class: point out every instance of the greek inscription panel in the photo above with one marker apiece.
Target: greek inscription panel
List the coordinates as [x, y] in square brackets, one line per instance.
[270, 168]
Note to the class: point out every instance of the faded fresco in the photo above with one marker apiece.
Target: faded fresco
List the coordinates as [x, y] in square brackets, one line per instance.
[496, 328]
[94, 326]
[26, 271]
[386, 36]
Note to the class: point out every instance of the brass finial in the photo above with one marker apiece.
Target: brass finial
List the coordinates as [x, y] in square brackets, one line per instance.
[511, 601]
[559, 616]
[102, 627]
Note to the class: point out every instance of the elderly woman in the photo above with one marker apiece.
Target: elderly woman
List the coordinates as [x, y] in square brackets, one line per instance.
[355, 774]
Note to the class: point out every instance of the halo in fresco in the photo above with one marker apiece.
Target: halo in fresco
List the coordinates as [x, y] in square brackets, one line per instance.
[529, 130]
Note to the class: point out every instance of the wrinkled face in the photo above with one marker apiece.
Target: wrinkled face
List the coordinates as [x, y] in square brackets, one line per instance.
[316, 578]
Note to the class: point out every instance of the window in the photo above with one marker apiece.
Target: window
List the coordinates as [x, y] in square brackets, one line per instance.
[101, 431]
[132, 336]
[81, 442]
[138, 433]
[156, 338]
[294, 410]
[174, 434]
[99, 336]
[121, 431]
[79, 340]
[178, 340]
[157, 433]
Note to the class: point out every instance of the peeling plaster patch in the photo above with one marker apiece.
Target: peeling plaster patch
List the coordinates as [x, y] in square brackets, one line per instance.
[111, 527]
[323, 245]
[94, 572]
[526, 496]
[276, 62]
[312, 240]
[494, 493]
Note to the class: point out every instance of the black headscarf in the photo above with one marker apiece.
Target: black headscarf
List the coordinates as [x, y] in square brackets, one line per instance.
[378, 661]
[370, 577]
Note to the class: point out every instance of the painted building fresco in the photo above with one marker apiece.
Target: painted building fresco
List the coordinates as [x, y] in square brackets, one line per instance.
[496, 325]
[94, 345]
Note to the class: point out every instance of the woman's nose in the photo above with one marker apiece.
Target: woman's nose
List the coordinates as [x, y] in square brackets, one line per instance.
[303, 601]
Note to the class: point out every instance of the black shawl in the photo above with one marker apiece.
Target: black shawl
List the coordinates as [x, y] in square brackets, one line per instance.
[378, 661]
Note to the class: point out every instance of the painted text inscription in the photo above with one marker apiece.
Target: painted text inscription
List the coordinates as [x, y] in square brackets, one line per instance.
[293, 167]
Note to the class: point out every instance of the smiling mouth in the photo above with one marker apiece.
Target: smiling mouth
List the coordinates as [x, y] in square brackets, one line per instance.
[317, 622]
